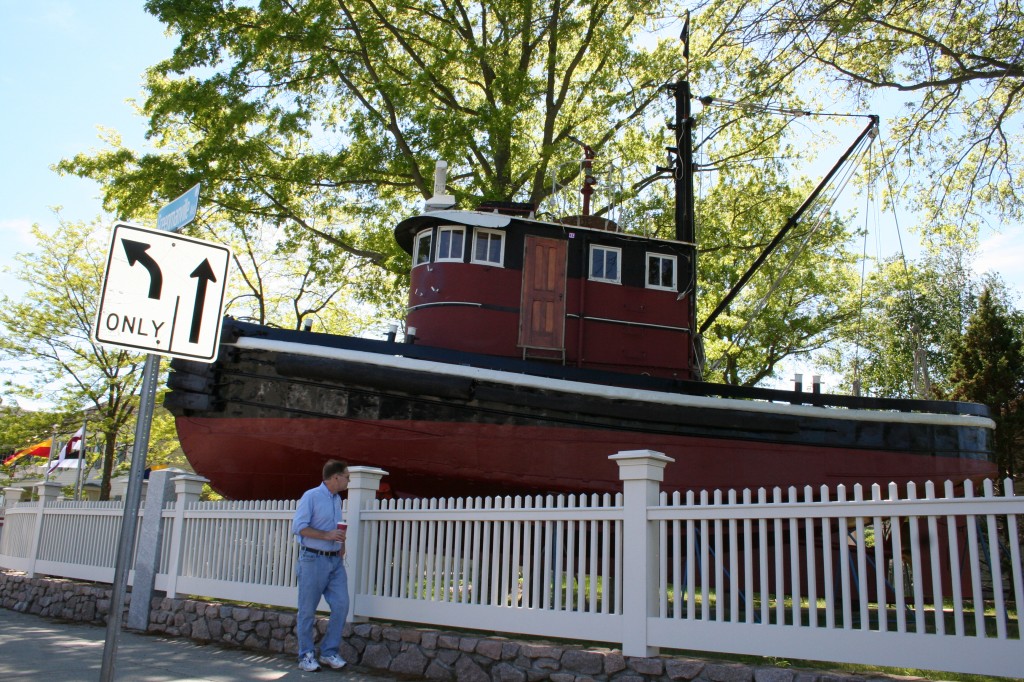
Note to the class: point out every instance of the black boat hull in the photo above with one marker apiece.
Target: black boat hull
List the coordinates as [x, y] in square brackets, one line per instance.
[260, 422]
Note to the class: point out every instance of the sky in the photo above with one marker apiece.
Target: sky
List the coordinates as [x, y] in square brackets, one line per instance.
[69, 67]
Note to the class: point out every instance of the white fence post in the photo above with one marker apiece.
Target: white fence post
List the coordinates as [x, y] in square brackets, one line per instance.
[641, 473]
[363, 484]
[147, 554]
[187, 488]
[49, 491]
[12, 496]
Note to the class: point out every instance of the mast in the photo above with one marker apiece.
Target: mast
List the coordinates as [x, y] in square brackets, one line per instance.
[682, 172]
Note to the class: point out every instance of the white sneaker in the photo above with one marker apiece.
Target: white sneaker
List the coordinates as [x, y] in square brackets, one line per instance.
[334, 660]
[308, 663]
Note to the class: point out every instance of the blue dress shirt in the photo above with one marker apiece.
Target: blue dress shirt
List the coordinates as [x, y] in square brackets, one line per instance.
[320, 510]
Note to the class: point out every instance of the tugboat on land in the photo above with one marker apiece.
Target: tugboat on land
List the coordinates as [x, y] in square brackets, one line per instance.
[534, 350]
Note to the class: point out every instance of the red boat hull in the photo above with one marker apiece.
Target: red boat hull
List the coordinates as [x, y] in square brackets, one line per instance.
[279, 458]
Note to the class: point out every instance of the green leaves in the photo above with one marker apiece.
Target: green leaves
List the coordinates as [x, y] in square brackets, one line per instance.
[797, 301]
[958, 66]
[314, 127]
[989, 368]
[48, 333]
[325, 117]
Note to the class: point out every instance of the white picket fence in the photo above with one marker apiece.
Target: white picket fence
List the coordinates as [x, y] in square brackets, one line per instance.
[541, 566]
[932, 582]
[882, 576]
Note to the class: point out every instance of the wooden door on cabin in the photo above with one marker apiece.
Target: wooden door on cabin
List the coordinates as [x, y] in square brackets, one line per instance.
[542, 310]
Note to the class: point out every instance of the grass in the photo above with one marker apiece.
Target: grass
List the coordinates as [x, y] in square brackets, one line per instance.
[874, 612]
[841, 667]
[569, 591]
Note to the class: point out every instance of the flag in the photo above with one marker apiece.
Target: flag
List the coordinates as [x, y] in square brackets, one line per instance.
[684, 36]
[41, 449]
[74, 443]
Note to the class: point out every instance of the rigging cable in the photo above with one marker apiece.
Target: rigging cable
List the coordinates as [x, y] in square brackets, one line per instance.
[786, 111]
[696, 340]
[820, 213]
[920, 379]
[859, 331]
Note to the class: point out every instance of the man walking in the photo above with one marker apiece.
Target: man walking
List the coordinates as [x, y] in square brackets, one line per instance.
[321, 571]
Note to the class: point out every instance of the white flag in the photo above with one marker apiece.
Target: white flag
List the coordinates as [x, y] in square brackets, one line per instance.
[74, 443]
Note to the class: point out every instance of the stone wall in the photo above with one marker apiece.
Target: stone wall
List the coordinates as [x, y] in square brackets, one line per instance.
[419, 652]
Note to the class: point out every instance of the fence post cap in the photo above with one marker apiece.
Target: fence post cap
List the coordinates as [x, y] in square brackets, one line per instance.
[365, 478]
[641, 464]
[189, 484]
[48, 490]
[359, 469]
[12, 495]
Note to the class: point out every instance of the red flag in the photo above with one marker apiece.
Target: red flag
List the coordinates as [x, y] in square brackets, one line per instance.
[38, 450]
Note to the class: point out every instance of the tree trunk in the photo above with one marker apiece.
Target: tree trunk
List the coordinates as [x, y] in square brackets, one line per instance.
[108, 464]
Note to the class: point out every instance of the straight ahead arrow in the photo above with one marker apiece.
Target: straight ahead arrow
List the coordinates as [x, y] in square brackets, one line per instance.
[136, 252]
[203, 273]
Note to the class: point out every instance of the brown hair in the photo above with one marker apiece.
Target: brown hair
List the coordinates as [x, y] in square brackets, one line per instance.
[334, 466]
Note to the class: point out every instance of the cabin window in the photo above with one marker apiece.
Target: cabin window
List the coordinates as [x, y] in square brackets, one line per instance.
[488, 247]
[661, 271]
[604, 264]
[421, 249]
[449, 243]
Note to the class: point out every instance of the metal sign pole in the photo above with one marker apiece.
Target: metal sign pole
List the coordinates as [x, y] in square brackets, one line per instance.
[126, 542]
[126, 320]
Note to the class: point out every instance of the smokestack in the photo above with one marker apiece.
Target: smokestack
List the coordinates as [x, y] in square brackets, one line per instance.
[440, 200]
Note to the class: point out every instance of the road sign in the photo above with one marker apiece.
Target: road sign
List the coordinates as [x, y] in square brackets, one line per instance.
[162, 293]
[179, 212]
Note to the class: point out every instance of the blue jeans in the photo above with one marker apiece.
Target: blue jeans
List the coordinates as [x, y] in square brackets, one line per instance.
[321, 576]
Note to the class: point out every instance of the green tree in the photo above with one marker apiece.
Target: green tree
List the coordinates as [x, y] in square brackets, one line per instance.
[989, 369]
[322, 119]
[281, 281]
[794, 304]
[958, 65]
[48, 332]
[21, 428]
[339, 108]
[903, 340]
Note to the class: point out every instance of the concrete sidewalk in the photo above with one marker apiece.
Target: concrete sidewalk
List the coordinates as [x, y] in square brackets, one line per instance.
[37, 648]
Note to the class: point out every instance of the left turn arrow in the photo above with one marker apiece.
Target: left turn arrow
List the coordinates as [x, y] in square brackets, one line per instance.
[136, 252]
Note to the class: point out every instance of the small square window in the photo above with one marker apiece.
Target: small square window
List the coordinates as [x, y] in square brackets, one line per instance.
[488, 247]
[421, 249]
[661, 272]
[604, 264]
[450, 243]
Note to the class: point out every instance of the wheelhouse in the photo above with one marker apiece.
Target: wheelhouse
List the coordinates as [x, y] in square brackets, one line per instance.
[575, 294]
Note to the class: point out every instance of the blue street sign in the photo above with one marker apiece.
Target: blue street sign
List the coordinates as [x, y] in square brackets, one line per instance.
[179, 212]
